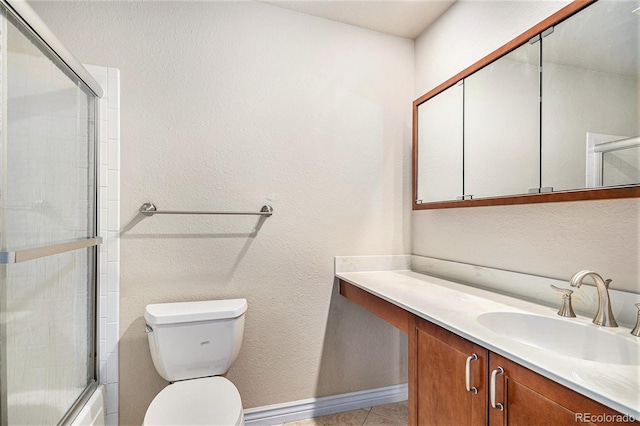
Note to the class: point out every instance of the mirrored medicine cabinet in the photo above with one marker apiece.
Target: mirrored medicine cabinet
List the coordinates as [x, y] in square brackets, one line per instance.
[552, 115]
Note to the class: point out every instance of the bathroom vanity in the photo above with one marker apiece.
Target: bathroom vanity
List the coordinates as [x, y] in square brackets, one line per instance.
[482, 358]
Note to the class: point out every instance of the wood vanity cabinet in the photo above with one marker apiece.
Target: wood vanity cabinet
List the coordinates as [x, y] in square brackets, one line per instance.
[438, 364]
[438, 392]
[437, 378]
[531, 399]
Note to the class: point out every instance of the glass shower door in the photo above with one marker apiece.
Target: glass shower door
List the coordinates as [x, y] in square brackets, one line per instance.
[47, 232]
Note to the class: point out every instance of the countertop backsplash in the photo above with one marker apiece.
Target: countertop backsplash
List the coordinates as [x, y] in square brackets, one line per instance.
[524, 286]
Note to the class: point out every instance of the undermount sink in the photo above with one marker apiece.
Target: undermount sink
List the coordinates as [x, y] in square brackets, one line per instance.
[564, 336]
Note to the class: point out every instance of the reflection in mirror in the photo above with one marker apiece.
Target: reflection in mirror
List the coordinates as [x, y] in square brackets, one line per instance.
[590, 89]
[440, 146]
[621, 167]
[502, 125]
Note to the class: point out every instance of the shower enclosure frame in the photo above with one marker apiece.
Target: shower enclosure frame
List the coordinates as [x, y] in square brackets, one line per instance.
[23, 15]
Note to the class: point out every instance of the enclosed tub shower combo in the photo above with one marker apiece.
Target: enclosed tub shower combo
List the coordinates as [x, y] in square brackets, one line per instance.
[48, 224]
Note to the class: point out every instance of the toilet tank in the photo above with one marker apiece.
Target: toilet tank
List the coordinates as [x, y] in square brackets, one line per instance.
[189, 340]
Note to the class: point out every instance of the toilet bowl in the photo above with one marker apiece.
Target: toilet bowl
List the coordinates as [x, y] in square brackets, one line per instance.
[191, 345]
[207, 401]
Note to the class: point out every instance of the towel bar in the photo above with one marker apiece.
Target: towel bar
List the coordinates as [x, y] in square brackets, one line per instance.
[149, 209]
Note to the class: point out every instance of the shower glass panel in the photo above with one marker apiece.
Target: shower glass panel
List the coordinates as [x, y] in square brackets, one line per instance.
[47, 197]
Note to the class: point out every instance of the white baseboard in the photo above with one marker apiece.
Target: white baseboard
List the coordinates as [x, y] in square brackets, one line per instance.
[307, 408]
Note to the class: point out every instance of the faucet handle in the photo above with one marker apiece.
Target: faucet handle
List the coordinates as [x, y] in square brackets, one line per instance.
[566, 310]
[636, 329]
[564, 291]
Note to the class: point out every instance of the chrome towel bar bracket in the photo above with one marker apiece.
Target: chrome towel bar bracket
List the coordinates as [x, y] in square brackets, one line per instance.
[149, 209]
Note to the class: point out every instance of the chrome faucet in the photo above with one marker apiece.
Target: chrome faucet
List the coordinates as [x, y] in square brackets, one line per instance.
[604, 316]
[636, 329]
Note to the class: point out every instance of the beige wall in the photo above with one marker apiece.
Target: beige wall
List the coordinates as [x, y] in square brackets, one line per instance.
[553, 240]
[228, 105]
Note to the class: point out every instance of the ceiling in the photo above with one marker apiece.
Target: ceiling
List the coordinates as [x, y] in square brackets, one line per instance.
[403, 18]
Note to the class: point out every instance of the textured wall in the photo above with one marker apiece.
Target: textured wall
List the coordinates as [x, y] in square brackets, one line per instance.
[553, 240]
[227, 105]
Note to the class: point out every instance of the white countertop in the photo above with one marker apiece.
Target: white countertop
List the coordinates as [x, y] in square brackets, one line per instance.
[456, 307]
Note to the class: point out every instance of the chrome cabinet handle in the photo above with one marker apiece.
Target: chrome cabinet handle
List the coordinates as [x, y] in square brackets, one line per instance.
[494, 373]
[467, 374]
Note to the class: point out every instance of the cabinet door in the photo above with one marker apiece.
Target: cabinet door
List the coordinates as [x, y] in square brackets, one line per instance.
[438, 393]
[530, 399]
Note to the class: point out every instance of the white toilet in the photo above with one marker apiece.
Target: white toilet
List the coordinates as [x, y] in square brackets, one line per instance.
[191, 343]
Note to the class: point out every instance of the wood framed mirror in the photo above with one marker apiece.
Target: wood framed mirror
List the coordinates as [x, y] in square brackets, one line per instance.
[553, 115]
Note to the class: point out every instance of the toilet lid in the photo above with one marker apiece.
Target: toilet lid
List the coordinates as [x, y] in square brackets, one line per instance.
[206, 401]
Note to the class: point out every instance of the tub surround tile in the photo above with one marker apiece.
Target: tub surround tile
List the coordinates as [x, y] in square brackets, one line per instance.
[104, 369]
[113, 125]
[113, 191]
[109, 229]
[112, 419]
[103, 278]
[113, 218]
[113, 247]
[112, 337]
[112, 305]
[113, 269]
[103, 305]
[112, 369]
[112, 398]
[104, 150]
[113, 154]
[103, 175]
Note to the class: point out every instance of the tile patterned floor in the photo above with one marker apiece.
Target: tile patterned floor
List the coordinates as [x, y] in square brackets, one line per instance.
[382, 415]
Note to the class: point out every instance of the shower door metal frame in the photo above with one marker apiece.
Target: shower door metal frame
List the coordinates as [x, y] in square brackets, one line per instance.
[24, 15]
[31, 21]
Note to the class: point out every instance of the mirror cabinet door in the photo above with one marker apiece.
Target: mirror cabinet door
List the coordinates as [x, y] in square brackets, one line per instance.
[502, 125]
[439, 162]
[558, 115]
[590, 69]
